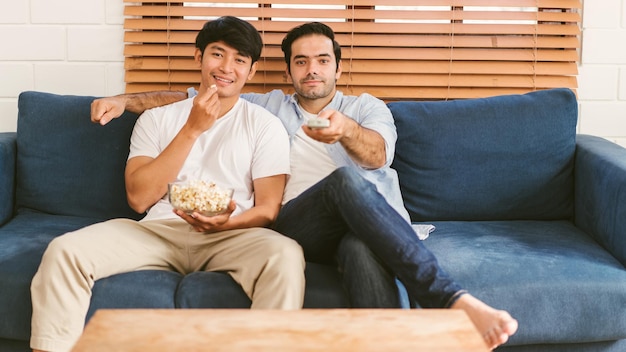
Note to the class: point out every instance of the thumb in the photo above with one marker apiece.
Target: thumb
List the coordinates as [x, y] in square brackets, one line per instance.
[107, 117]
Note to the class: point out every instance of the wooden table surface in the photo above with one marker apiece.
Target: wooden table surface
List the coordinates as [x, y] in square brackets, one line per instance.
[340, 330]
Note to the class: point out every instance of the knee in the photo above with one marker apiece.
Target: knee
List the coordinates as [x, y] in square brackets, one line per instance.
[60, 247]
[286, 255]
[349, 180]
[291, 252]
[345, 174]
[62, 251]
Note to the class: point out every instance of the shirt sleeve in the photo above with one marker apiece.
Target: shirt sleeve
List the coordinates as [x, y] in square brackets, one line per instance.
[144, 139]
[375, 115]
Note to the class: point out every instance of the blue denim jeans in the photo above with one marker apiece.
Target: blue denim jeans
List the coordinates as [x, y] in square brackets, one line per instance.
[343, 203]
[367, 280]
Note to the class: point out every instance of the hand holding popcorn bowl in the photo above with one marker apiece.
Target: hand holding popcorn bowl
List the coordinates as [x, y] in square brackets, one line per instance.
[199, 196]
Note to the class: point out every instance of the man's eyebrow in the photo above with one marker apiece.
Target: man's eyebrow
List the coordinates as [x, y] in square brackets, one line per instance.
[306, 57]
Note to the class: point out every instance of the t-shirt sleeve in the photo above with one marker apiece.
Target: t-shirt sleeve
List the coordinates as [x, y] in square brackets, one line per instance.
[271, 155]
[144, 139]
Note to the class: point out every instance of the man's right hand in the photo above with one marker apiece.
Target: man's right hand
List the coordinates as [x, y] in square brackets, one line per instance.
[106, 109]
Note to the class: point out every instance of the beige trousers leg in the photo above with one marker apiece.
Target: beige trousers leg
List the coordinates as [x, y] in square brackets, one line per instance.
[269, 267]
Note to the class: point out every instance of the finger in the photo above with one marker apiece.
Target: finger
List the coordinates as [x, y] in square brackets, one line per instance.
[98, 111]
[106, 118]
[205, 94]
[189, 218]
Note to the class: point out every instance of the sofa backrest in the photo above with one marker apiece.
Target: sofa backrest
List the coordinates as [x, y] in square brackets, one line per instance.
[66, 164]
[499, 158]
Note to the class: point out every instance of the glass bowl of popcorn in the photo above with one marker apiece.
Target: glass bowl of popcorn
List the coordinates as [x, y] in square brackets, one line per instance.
[203, 197]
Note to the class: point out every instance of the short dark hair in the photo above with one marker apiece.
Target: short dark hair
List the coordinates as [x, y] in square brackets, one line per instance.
[235, 32]
[307, 29]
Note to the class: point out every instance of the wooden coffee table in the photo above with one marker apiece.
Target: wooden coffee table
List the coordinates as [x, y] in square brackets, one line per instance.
[326, 330]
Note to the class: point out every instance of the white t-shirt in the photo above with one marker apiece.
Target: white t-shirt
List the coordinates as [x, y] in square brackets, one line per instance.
[310, 162]
[246, 143]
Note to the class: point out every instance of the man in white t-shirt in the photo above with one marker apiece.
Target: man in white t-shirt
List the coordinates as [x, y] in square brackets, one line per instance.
[215, 136]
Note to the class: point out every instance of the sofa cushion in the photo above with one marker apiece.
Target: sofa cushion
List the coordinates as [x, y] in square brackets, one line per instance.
[22, 243]
[560, 284]
[219, 290]
[147, 289]
[66, 164]
[499, 158]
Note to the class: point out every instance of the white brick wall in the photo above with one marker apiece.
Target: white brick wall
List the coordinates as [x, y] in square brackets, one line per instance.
[602, 75]
[47, 48]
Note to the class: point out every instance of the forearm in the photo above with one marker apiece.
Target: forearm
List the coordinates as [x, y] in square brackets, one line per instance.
[366, 147]
[147, 178]
[257, 216]
[140, 102]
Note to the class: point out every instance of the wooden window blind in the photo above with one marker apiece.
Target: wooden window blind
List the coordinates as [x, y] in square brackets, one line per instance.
[392, 49]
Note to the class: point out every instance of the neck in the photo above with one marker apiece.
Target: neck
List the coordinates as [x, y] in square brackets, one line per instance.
[226, 104]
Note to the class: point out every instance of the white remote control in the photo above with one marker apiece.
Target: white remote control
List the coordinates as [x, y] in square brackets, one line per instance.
[318, 123]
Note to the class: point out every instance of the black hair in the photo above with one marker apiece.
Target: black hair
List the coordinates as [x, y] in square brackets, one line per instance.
[235, 32]
[307, 29]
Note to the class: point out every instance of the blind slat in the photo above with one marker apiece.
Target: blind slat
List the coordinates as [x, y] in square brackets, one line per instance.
[358, 14]
[384, 40]
[491, 3]
[361, 27]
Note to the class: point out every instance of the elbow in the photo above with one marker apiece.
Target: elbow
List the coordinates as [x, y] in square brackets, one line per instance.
[136, 205]
[381, 162]
[271, 216]
[375, 163]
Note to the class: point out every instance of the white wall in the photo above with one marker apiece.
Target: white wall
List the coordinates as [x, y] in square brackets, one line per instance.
[46, 48]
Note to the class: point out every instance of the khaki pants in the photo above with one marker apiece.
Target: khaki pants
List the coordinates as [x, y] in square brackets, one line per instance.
[268, 266]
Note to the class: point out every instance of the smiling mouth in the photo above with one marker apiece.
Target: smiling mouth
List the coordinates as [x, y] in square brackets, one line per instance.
[222, 80]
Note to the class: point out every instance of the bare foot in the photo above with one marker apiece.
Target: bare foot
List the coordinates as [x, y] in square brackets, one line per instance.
[496, 326]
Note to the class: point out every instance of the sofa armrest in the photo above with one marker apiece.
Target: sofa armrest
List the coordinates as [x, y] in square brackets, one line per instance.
[600, 192]
[8, 151]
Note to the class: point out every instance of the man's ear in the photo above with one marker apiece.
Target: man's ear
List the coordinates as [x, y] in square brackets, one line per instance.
[339, 70]
[288, 75]
[253, 69]
[198, 56]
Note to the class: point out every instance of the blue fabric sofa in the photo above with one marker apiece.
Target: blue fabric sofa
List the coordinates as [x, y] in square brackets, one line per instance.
[529, 216]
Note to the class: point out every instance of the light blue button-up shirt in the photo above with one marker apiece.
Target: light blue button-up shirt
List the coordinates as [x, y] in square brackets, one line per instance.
[368, 111]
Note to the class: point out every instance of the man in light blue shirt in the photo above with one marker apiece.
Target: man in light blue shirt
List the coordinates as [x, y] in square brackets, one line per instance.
[342, 197]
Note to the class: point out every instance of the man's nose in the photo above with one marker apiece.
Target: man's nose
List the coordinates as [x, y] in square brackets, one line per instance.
[312, 69]
[226, 65]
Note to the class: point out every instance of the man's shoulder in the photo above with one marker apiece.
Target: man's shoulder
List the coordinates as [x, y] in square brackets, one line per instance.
[363, 103]
[270, 98]
[363, 98]
[257, 112]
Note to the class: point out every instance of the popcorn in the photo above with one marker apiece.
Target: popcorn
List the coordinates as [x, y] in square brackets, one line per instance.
[201, 196]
